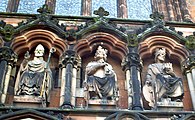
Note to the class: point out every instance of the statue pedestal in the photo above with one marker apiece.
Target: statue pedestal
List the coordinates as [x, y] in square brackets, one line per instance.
[167, 105]
[27, 101]
[102, 104]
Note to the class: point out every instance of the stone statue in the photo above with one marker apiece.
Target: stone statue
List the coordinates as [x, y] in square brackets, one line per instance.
[34, 78]
[101, 81]
[161, 81]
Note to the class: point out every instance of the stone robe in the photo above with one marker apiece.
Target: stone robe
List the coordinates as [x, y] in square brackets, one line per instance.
[161, 85]
[101, 81]
[30, 79]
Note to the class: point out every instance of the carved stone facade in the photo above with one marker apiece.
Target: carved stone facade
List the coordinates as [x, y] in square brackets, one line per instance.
[130, 50]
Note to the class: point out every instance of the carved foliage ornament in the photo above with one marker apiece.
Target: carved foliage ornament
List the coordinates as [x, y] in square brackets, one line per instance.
[69, 57]
[157, 19]
[188, 64]
[8, 54]
[190, 42]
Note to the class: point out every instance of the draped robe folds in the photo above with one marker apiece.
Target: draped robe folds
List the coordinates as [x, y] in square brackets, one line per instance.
[161, 85]
[30, 79]
[102, 83]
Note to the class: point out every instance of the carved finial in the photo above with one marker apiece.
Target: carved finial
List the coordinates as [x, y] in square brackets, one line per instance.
[44, 9]
[101, 12]
[158, 18]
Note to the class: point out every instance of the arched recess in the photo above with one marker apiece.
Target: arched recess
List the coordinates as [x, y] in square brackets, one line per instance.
[174, 49]
[176, 53]
[31, 38]
[28, 42]
[117, 50]
[115, 46]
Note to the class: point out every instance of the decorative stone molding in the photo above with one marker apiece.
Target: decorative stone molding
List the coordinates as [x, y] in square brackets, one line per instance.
[69, 57]
[115, 46]
[188, 64]
[127, 115]
[157, 27]
[101, 24]
[29, 39]
[174, 49]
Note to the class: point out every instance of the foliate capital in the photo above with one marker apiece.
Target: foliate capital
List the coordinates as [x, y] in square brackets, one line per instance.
[69, 57]
[132, 59]
[188, 64]
[8, 55]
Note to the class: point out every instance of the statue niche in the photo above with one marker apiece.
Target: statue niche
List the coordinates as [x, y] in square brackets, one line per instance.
[34, 77]
[161, 82]
[101, 80]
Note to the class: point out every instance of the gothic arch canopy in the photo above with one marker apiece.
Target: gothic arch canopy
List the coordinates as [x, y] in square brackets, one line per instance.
[27, 114]
[127, 115]
[102, 26]
[31, 38]
[174, 49]
[115, 46]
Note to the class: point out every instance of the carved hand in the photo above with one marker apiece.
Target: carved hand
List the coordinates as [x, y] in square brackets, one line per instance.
[168, 69]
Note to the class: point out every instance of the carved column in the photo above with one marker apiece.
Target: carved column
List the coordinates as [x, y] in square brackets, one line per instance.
[68, 88]
[189, 71]
[133, 68]
[126, 68]
[86, 7]
[134, 64]
[51, 5]
[7, 60]
[189, 66]
[122, 9]
[12, 5]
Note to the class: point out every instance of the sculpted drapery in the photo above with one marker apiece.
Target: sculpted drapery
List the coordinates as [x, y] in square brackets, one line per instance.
[31, 76]
[101, 79]
[161, 81]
